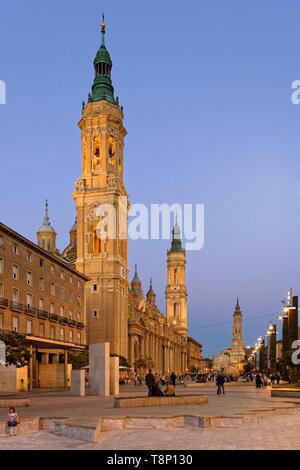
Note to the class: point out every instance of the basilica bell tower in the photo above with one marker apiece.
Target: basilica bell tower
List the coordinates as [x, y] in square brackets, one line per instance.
[102, 210]
[176, 292]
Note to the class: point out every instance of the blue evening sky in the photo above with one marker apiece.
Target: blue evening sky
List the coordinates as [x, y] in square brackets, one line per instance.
[206, 90]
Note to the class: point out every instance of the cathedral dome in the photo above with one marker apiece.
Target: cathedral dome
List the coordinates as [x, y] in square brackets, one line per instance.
[103, 56]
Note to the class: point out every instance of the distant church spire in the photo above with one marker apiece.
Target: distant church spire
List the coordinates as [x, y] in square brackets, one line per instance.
[46, 218]
[151, 296]
[46, 234]
[103, 27]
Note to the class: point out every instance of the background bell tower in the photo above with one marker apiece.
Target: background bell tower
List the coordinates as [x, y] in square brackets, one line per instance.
[102, 208]
[237, 344]
[176, 293]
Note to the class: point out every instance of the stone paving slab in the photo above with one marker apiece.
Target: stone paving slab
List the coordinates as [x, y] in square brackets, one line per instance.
[277, 432]
[237, 400]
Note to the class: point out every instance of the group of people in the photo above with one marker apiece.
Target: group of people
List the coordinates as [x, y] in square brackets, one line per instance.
[155, 384]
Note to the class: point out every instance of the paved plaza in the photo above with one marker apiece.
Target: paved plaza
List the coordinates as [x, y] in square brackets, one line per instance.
[278, 432]
[277, 425]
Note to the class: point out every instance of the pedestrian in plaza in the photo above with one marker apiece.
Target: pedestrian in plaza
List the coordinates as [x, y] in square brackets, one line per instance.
[156, 390]
[12, 421]
[173, 378]
[150, 381]
[220, 380]
[258, 381]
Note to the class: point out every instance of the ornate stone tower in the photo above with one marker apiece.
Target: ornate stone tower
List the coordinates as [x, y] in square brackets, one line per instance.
[70, 252]
[151, 296]
[46, 235]
[176, 293]
[102, 210]
[237, 345]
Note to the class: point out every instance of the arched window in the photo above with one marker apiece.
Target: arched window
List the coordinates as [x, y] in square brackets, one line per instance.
[96, 242]
[176, 310]
[111, 151]
[175, 276]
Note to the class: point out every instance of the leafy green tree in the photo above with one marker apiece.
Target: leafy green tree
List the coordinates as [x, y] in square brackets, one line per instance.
[78, 359]
[17, 352]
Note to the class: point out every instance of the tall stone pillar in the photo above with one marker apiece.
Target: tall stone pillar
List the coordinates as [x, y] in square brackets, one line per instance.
[170, 359]
[164, 359]
[99, 369]
[142, 346]
[66, 368]
[114, 385]
[167, 363]
[147, 346]
[152, 347]
[131, 355]
[30, 368]
[157, 353]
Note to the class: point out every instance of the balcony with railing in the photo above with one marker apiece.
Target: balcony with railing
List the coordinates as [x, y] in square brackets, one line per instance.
[53, 317]
[3, 302]
[42, 314]
[30, 311]
[16, 306]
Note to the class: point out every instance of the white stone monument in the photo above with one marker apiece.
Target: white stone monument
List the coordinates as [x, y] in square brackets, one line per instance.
[78, 383]
[114, 375]
[99, 369]
[2, 353]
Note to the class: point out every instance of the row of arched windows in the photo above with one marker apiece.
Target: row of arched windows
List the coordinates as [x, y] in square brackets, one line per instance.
[102, 69]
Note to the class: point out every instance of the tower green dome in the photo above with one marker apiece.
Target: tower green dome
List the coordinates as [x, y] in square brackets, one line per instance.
[176, 239]
[102, 88]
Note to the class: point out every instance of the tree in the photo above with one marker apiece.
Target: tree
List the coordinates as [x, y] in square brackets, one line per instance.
[123, 362]
[78, 359]
[17, 352]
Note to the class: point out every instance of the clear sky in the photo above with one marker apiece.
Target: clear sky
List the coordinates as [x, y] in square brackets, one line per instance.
[206, 90]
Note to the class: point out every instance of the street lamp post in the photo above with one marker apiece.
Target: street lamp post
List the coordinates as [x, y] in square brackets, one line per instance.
[293, 332]
[285, 346]
[262, 356]
[272, 348]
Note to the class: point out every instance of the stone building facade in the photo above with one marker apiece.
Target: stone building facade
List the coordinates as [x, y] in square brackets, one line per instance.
[194, 355]
[42, 297]
[51, 296]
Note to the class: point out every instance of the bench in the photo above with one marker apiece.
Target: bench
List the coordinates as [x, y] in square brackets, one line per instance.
[140, 402]
[285, 392]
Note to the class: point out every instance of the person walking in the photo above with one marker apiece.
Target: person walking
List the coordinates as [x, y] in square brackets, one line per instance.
[220, 380]
[150, 381]
[173, 378]
[258, 381]
[12, 421]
